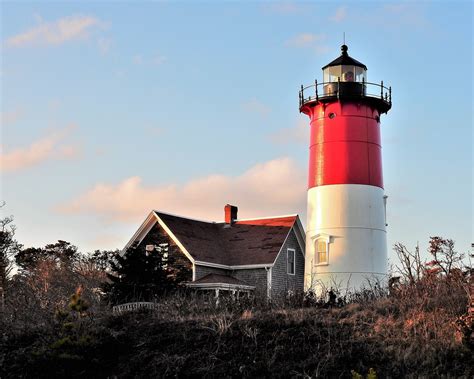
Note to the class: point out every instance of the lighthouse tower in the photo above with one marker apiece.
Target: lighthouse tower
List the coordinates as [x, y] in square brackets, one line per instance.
[346, 245]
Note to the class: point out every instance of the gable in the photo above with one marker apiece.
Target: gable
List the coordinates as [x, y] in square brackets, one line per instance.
[145, 228]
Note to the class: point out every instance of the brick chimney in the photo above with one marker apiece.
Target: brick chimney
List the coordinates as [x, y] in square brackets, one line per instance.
[230, 212]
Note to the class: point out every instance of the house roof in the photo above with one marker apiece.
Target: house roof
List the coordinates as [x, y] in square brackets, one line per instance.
[246, 242]
[220, 281]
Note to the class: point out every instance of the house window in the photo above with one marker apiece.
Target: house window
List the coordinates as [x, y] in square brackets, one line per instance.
[322, 251]
[290, 261]
[163, 248]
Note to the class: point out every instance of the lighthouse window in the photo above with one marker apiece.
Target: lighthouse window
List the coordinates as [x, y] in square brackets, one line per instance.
[332, 115]
[290, 261]
[360, 74]
[332, 74]
[322, 251]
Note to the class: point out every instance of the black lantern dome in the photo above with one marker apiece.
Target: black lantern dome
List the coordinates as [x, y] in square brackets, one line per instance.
[345, 69]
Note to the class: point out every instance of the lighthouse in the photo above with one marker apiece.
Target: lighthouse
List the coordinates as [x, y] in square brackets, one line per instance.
[346, 244]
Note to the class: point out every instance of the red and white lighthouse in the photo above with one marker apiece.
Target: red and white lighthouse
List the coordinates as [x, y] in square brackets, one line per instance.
[346, 241]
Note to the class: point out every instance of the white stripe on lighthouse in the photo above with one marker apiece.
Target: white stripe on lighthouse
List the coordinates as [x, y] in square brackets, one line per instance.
[351, 217]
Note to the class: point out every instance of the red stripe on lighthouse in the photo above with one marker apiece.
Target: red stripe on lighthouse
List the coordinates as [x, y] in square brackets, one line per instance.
[345, 149]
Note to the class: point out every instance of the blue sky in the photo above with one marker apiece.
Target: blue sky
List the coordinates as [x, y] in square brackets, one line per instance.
[112, 109]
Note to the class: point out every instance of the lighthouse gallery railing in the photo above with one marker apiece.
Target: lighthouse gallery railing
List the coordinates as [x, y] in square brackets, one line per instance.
[330, 90]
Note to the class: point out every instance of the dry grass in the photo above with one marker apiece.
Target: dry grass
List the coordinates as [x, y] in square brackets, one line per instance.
[410, 333]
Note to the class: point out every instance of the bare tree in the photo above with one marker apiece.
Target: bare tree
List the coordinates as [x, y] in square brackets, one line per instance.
[445, 256]
[411, 266]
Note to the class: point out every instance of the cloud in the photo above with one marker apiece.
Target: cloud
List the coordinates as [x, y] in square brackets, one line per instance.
[56, 32]
[404, 13]
[11, 117]
[156, 131]
[283, 7]
[255, 106]
[137, 59]
[156, 60]
[47, 148]
[303, 40]
[340, 15]
[107, 241]
[393, 16]
[298, 134]
[309, 41]
[270, 188]
[104, 45]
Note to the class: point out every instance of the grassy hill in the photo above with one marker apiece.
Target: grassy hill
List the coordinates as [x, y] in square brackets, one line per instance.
[411, 333]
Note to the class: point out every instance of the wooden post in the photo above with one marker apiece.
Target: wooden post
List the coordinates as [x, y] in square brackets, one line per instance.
[217, 297]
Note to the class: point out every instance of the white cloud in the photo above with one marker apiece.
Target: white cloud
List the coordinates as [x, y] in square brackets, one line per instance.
[104, 45]
[47, 148]
[308, 41]
[340, 14]
[156, 60]
[56, 32]
[303, 40]
[106, 241]
[137, 59]
[283, 7]
[297, 134]
[255, 106]
[11, 117]
[404, 13]
[155, 130]
[270, 188]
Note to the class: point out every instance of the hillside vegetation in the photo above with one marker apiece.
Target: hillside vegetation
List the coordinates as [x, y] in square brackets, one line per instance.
[56, 321]
[411, 333]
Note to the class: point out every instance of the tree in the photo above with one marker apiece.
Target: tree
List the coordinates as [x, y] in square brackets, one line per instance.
[445, 256]
[411, 266]
[93, 269]
[48, 275]
[8, 248]
[62, 254]
[141, 275]
[446, 260]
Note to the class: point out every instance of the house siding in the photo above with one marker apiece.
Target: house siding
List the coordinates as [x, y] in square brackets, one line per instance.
[282, 282]
[255, 277]
[202, 271]
[158, 235]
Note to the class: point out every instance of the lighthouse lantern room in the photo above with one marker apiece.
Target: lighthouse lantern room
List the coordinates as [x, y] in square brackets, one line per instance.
[346, 246]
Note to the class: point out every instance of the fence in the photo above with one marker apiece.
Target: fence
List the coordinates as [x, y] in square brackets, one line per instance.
[131, 307]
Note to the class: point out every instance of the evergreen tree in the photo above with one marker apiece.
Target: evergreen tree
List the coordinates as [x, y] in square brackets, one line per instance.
[62, 253]
[141, 275]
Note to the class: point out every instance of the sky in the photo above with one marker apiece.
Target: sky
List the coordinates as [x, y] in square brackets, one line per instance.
[112, 109]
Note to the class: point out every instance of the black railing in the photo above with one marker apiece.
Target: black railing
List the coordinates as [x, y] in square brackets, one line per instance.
[345, 90]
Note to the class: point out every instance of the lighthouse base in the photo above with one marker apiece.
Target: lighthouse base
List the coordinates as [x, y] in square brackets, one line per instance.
[346, 243]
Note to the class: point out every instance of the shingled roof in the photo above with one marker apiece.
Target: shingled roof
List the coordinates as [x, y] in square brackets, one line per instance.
[245, 242]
